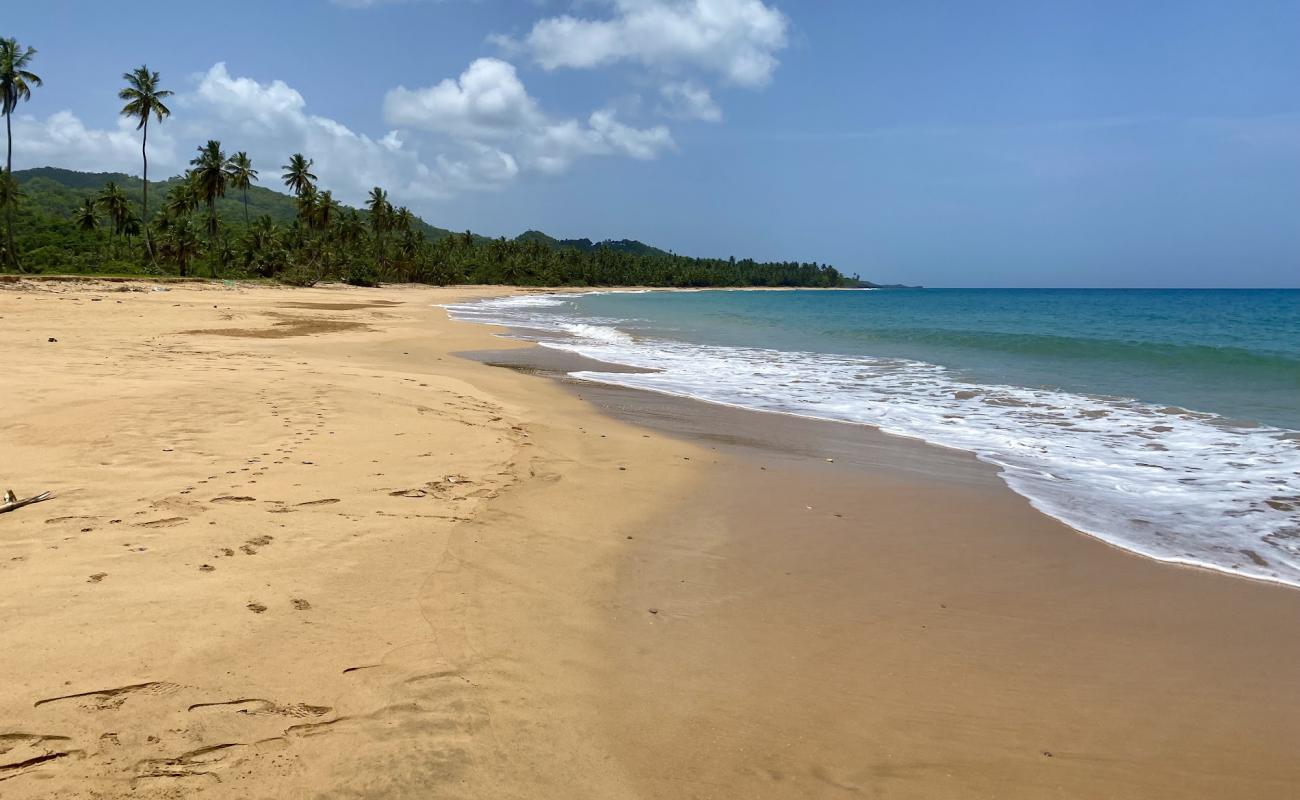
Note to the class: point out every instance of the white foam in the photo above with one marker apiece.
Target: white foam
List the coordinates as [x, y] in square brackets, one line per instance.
[1170, 484]
[600, 333]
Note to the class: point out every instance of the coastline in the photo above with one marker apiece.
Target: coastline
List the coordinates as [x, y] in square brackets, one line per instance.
[899, 621]
[527, 588]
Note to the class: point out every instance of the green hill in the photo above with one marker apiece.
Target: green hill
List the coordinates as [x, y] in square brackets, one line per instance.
[57, 193]
[630, 246]
[407, 250]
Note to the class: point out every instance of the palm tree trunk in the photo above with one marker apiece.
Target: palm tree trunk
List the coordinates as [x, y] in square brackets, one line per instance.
[213, 252]
[144, 154]
[245, 206]
[10, 255]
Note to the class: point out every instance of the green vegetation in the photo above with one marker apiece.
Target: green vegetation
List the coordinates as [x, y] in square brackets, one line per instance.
[16, 83]
[214, 219]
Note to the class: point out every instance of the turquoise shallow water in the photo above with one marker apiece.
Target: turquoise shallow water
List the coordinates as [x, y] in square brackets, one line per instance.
[1234, 352]
[1163, 421]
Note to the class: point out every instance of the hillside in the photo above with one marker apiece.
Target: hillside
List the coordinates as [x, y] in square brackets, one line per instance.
[48, 241]
[57, 192]
[630, 246]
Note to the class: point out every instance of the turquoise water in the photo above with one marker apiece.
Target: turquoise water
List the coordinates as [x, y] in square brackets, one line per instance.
[1163, 421]
[1234, 352]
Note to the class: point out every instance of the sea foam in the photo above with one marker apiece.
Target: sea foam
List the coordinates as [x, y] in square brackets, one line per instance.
[1168, 483]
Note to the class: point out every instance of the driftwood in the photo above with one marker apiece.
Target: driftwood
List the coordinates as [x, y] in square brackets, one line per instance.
[12, 502]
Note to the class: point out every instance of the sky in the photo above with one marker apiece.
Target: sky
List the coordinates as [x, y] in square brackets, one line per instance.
[1036, 143]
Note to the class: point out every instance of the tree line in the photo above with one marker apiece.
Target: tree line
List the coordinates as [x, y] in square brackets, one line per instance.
[326, 240]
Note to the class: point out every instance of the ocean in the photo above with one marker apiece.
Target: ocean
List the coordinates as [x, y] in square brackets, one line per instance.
[1165, 422]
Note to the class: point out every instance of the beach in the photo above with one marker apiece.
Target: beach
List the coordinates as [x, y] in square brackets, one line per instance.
[302, 545]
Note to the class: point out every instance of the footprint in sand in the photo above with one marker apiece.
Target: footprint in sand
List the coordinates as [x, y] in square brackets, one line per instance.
[21, 753]
[161, 523]
[250, 547]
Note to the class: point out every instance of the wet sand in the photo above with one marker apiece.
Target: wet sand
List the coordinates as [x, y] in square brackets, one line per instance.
[897, 623]
[300, 549]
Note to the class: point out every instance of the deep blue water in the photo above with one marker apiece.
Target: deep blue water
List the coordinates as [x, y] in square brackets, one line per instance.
[1163, 421]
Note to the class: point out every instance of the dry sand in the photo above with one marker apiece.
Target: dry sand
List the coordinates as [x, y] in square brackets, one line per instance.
[300, 549]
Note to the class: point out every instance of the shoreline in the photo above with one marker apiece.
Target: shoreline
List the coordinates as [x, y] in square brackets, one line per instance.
[1122, 619]
[451, 578]
[1124, 525]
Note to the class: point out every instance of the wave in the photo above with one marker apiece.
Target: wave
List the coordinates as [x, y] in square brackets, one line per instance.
[1169, 483]
[1071, 347]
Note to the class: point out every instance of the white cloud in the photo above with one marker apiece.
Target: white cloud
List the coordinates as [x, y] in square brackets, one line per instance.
[735, 39]
[478, 132]
[689, 100]
[63, 140]
[488, 100]
[489, 103]
[554, 148]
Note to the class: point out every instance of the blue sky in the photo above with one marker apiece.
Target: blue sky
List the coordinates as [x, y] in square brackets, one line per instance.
[1044, 143]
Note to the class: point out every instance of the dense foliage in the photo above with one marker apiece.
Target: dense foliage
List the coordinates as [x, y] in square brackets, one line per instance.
[316, 238]
[214, 220]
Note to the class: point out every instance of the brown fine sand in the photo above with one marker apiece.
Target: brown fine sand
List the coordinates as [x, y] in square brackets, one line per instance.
[298, 548]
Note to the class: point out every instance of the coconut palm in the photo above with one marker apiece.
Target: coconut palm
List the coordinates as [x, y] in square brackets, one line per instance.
[327, 209]
[263, 249]
[143, 100]
[86, 217]
[380, 213]
[308, 202]
[113, 200]
[241, 173]
[16, 83]
[9, 196]
[297, 174]
[182, 243]
[210, 180]
[181, 198]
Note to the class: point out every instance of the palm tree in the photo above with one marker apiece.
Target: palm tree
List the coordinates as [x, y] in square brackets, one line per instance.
[380, 211]
[86, 217]
[183, 243]
[241, 173]
[113, 200]
[210, 180]
[327, 208]
[308, 200]
[144, 99]
[16, 83]
[9, 196]
[262, 247]
[181, 198]
[297, 174]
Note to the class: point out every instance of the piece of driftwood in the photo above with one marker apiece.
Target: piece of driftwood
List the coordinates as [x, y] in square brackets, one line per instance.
[12, 502]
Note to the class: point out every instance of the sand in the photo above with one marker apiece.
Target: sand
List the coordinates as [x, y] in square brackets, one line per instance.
[299, 548]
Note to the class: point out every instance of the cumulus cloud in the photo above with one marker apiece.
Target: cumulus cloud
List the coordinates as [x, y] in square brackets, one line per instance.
[734, 39]
[488, 100]
[489, 103]
[553, 148]
[689, 100]
[63, 140]
[477, 132]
